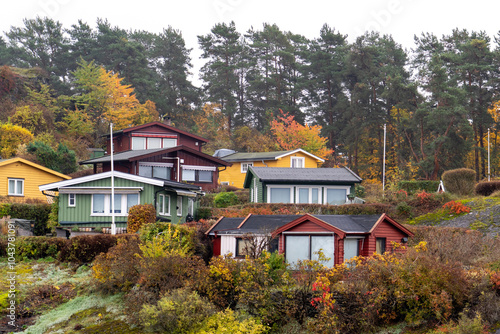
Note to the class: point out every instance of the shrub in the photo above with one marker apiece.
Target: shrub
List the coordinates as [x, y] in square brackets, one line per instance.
[84, 248]
[39, 213]
[487, 188]
[39, 247]
[4, 209]
[179, 311]
[411, 187]
[139, 215]
[404, 209]
[460, 181]
[225, 199]
[456, 208]
[359, 190]
[118, 269]
[228, 322]
[204, 213]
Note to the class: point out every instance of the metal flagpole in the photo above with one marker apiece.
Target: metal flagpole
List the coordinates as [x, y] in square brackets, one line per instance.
[113, 225]
[383, 167]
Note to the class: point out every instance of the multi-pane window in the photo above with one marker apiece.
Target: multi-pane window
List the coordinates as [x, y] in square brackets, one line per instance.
[308, 195]
[163, 205]
[245, 165]
[307, 247]
[101, 204]
[142, 143]
[297, 162]
[16, 187]
[71, 199]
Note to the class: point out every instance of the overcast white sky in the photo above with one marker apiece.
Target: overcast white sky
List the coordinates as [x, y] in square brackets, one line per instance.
[400, 18]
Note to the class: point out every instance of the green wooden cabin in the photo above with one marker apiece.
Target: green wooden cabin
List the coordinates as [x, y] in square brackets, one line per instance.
[86, 201]
[334, 186]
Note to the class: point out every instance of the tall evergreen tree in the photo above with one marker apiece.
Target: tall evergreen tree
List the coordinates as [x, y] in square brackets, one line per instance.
[222, 48]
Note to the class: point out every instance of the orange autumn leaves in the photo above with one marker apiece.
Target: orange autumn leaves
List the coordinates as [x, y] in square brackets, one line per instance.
[291, 135]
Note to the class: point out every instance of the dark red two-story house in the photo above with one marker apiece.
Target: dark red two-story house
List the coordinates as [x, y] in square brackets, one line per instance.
[159, 150]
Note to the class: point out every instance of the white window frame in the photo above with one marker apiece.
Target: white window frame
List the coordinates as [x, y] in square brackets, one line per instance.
[245, 165]
[16, 187]
[162, 210]
[325, 192]
[163, 140]
[107, 205]
[190, 206]
[279, 186]
[224, 183]
[301, 159]
[309, 188]
[255, 191]
[179, 205]
[136, 148]
[149, 142]
[72, 200]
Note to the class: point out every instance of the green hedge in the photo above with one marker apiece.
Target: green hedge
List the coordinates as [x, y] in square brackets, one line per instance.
[411, 187]
[36, 212]
[80, 249]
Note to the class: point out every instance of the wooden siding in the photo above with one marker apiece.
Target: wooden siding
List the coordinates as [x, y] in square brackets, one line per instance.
[308, 227]
[236, 178]
[227, 244]
[81, 212]
[33, 177]
[384, 230]
[122, 142]
[189, 159]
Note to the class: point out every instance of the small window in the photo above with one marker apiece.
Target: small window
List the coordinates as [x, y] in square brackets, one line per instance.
[179, 206]
[297, 162]
[205, 175]
[16, 187]
[380, 245]
[138, 143]
[243, 246]
[164, 205]
[188, 175]
[245, 165]
[154, 143]
[117, 203]
[71, 199]
[191, 206]
[169, 142]
[224, 183]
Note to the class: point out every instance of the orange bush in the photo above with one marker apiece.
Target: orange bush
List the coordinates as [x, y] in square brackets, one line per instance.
[456, 208]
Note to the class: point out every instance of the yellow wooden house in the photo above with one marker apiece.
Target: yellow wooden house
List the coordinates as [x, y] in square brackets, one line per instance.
[235, 175]
[20, 178]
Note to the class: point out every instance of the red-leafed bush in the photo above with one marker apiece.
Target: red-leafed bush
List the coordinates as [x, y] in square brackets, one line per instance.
[456, 208]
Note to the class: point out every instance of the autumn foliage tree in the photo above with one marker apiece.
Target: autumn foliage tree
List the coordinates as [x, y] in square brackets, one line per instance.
[291, 135]
[11, 136]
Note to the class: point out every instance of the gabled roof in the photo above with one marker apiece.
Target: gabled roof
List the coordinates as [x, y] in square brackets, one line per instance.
[311, 175]
[5, 162]
[126, 176]
[257, 156]
[163, 125]
[258, 224]
[340, 224]
[134, 155]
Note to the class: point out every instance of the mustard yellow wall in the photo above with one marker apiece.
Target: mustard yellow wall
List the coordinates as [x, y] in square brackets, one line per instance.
[33, 177]
[236, 178]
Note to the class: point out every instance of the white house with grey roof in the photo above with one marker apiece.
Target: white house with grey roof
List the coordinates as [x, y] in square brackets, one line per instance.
[334, 186]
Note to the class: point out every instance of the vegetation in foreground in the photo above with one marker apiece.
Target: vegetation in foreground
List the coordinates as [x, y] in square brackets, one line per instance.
[448, 281]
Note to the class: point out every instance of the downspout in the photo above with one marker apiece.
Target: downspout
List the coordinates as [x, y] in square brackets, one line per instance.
[264, 163]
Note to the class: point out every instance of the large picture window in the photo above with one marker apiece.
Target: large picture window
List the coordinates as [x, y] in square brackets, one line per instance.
[101, 204]
[336, 196]
[16, 187]
[280, 195]
[306, 247]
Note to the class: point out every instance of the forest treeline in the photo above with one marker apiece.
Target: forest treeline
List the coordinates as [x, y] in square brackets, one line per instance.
[438, 100]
